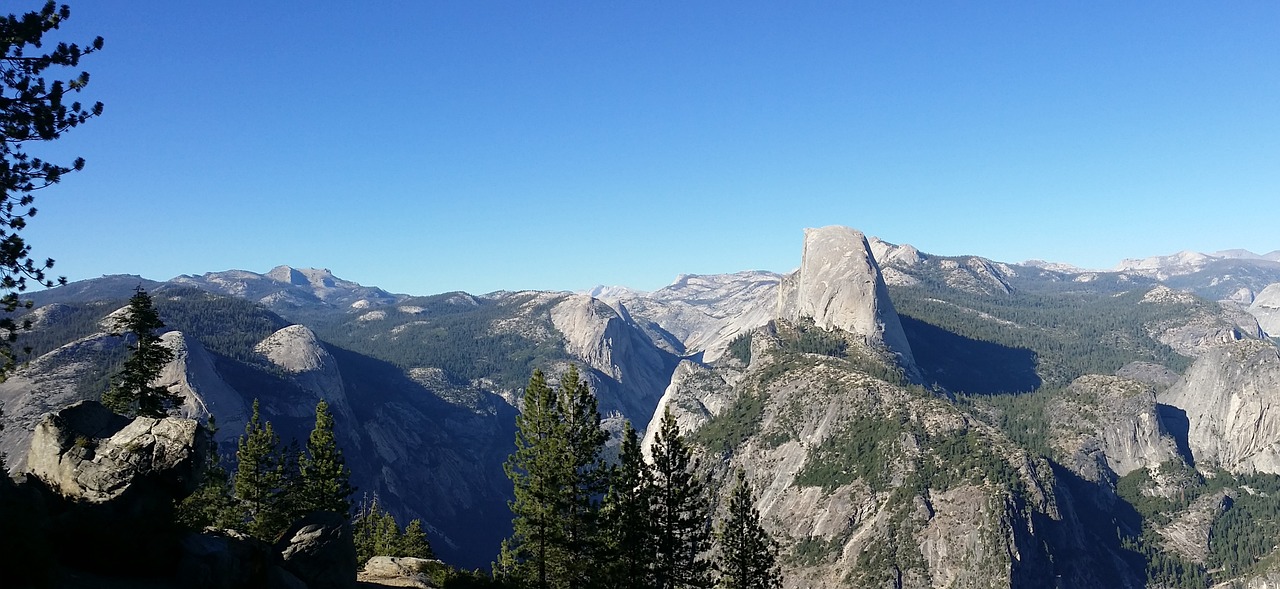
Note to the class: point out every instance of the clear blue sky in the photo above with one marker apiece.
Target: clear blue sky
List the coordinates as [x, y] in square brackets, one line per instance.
[474, 145]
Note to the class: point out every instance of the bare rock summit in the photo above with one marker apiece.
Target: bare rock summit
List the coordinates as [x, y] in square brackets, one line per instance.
[839, 285]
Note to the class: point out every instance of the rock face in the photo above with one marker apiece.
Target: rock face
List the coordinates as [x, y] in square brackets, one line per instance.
[391, 571]
[1109, 421]
[284, 288]
[111, 483]
[298, 352]
[1188, 535]
[1231, 399]
[700, 313]
[695, 395]
[47, 384]
[224, 559]
[839, 285]
[607, 343]
[319, 550]
[193, 376]
[87, 453]
[1266, 308]
[1205, 329]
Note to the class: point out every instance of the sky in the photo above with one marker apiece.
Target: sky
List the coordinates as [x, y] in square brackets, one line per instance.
[432, 146]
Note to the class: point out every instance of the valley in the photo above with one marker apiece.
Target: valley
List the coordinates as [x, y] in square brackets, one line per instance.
[907, 420]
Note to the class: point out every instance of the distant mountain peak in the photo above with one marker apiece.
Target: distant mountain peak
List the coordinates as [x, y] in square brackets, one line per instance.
[839, 285]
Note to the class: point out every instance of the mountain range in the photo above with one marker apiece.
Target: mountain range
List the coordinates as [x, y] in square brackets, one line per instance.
[909, 420]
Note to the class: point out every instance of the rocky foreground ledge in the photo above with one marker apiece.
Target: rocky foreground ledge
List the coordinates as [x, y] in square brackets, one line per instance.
[96, 509]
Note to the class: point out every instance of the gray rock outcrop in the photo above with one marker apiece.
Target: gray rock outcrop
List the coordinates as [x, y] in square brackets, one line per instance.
[1111, 421]
[392, 571]
[1231, 397]
[224, 559]
[111, 484]
[700, 313]
[320, 551]
[47, 384]
[193, 376]
[839, 285]
[595, 333]
[299, 353]
[87, 453]
[695, 395]
[1266, 308]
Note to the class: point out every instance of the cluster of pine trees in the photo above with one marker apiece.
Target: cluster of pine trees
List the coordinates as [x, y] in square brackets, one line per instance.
[580, 521]
[273, 485]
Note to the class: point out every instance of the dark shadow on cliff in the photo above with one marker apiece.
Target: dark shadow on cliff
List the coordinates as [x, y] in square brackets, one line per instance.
[1085, 540]
[462, 442]
[961, 364]
[1175, 422]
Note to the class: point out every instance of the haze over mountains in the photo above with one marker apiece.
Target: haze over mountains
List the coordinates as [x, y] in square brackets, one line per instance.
[935, 420]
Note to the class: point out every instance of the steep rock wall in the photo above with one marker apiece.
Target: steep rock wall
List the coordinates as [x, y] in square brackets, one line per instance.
[839, 285]
[1231, 397]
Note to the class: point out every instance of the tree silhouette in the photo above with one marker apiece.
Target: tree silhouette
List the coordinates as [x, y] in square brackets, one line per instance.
[32, 108]
[132, 391]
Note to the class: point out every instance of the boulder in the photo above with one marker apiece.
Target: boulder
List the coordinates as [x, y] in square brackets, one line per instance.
[391, 571]
[111, 484]
[320, 550]
[224, 559]
[89, 454]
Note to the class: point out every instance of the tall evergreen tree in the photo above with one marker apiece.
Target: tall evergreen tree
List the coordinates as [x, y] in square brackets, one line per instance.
[681, 512]
[35, 106]
[413, 541]
[377, 534]
[540, 470]
[132, 391]
[325, 478]
[261, 479]
[588, 480]
[212, 503]
[748, 555]
[631, 541]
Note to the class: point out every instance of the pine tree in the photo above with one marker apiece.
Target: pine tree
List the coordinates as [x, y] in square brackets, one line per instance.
[131, 390]
[377, 533]
[326, 480]
[540, 470]
[681, 513]
[365, 528]
[748, 555]
[260, 481]
[625, 513]
[211, 504]
[35, 107]
[413, 541]
[588, 480]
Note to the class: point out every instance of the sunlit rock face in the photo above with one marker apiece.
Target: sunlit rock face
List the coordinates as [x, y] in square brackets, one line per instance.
[839, 285]
[1231, 398]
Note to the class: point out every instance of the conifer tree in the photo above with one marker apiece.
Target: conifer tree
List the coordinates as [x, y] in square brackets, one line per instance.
[681, 512]
[131, 391]
[212, 503]
[35, 106]
[588, 480]
[748, 555]
[325, 478]
[631, 547]
[540, 470]
[378, 534]
[260, 483]
[365, 528]
[413, 541]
